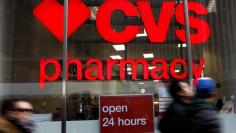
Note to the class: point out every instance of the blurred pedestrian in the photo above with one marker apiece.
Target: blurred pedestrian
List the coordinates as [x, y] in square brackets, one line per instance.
[16, 115]
[203, 117]
[219, 104]
[174, 120]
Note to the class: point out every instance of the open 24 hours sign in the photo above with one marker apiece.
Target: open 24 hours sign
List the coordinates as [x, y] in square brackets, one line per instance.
[126, 114]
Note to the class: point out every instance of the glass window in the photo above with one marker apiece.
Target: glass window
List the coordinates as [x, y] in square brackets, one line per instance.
[135, 52]
[219, 51]
[24, 45]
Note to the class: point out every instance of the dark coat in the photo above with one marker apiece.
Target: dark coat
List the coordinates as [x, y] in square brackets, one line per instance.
[198, 117]
[174, 120]
[203, 117]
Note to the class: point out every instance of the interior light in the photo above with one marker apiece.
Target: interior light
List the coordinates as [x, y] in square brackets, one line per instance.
[184, 45]
[118, 57]
[148, 55]
[129, 69]
[143, 91]
[151, 67]
[119, 47]
[177, 71]
[144, 34]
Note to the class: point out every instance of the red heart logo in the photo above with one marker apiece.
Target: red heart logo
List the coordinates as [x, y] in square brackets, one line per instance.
[51, 14]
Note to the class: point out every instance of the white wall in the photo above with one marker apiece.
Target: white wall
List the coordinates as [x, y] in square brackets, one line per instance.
[54, 88]
[72, 127]
[228, 126]
[31, 89]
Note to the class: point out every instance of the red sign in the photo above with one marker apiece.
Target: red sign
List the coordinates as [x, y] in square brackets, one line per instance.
[50, 14]
[166, 71]
[126, 114]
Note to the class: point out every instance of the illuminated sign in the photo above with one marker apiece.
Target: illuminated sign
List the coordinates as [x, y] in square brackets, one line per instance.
[50, 14]
[97, 66]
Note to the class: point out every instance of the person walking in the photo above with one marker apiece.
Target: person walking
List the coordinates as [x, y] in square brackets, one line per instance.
[174, 120]
[202, 113]
[16, 115]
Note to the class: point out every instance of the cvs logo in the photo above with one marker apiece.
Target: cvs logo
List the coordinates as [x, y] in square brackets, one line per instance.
[50, 14]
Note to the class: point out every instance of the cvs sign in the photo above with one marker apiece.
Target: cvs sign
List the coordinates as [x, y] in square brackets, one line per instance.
[50, 14]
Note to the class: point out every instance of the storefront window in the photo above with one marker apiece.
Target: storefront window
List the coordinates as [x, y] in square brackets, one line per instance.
[218, 52]
[134, 47]
[24, 43]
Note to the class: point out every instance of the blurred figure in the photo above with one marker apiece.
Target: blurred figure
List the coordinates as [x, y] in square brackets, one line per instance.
[16, 115]
[174, 120]
[219, 104]
[203, 117]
